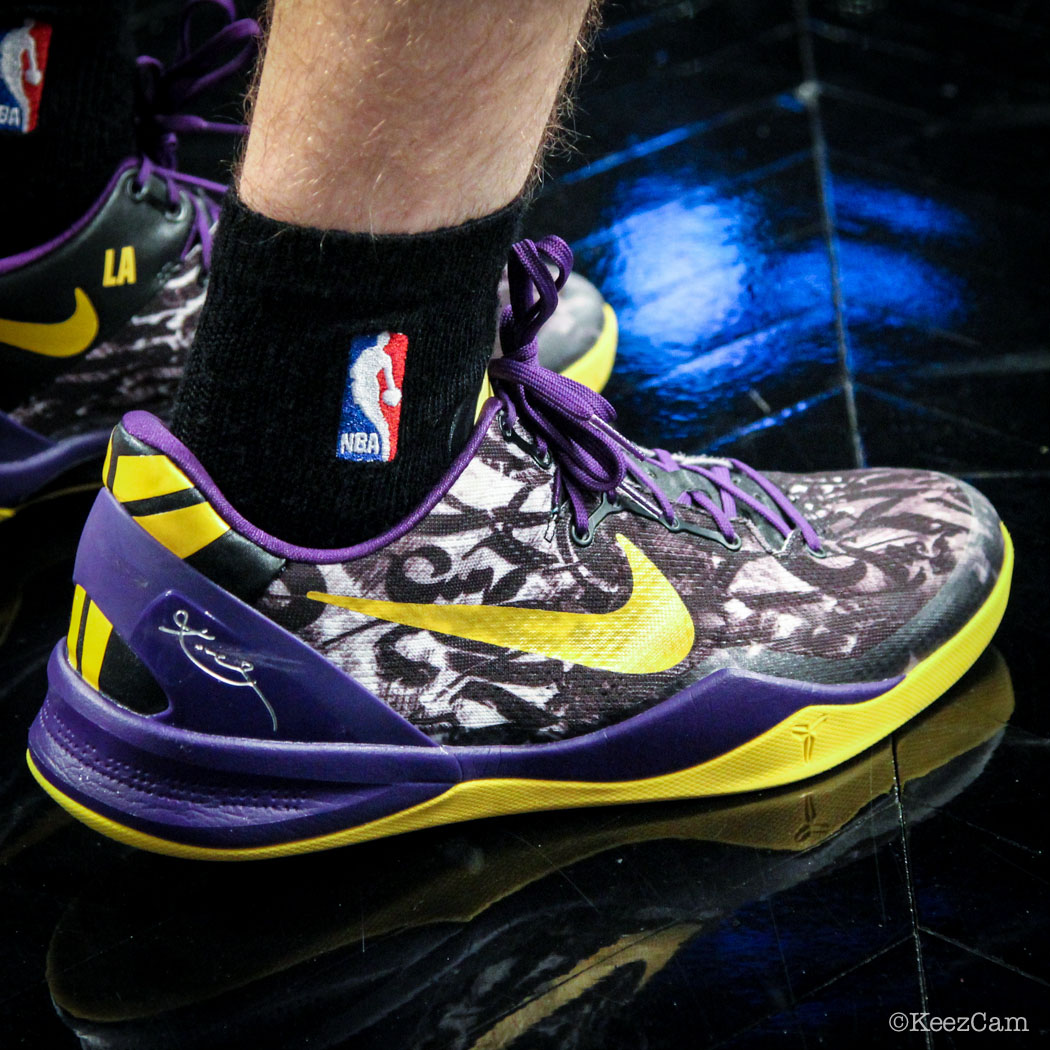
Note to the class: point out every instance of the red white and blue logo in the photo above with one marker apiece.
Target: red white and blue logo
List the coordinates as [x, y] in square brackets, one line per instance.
[23, 62]
[371, 413]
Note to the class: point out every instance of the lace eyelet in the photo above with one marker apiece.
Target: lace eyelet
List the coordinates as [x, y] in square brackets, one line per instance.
[581, 541]
[545, 462]
[136, 192]
[820, 553]
[177, 212]
[734, 544]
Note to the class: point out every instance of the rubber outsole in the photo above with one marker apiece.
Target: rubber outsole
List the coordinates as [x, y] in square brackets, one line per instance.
[811, 741]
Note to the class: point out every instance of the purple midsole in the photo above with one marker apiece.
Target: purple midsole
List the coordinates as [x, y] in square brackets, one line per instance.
[709, 718]
[225, 792]
[193, 806]
[21, 479]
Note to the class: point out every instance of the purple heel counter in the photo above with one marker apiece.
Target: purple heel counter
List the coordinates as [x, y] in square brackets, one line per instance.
[225, 668]
[164, 796]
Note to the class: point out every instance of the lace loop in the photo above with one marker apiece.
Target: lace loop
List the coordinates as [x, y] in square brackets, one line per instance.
[527, 273]
[573, 424]
[564, 417]
[164, 92]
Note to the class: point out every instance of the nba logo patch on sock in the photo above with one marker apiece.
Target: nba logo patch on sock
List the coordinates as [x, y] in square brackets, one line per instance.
[23, 62]
[371, 414]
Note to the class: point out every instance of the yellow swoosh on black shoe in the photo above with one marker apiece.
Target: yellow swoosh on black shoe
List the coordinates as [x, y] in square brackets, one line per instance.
[651, 632]
[58, 339]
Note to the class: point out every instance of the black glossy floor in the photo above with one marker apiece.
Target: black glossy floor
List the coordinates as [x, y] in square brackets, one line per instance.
[823, 227]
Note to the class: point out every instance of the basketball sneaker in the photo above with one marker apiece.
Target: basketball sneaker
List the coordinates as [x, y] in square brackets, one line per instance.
[566, 620]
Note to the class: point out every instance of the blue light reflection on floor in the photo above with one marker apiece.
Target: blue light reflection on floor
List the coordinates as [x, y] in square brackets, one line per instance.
[682, 270]
[880, 281]
[898, 211]
[711, 308]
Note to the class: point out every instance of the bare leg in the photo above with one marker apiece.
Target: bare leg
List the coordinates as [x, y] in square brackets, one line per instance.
[400, 117]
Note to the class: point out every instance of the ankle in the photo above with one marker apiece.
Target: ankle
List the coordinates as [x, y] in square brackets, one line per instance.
[275, 402]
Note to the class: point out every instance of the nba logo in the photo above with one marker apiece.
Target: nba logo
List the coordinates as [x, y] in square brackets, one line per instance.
[23, 61]
[371, 413]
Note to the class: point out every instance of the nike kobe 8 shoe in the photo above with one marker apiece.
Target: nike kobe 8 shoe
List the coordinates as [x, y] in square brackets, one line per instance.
[97, 321]
[566, 620]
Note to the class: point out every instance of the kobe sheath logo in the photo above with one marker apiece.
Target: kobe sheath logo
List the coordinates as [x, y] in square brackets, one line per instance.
[371, 410]
[23, 62]
[198, 645]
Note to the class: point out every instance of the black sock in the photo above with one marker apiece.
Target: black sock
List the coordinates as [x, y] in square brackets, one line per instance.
[262, 402]
[85, 115]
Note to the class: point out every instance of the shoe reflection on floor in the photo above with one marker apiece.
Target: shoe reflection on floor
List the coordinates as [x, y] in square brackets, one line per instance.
[547, 926]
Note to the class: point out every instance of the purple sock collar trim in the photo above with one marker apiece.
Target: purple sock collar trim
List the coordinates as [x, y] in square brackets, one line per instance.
[14, 262]
[148, 428]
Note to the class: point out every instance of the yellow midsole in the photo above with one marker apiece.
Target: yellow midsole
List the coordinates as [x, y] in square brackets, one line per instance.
[812, 740]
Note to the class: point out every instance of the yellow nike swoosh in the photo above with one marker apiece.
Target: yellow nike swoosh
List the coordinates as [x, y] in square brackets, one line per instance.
[60, 339]
[651, 632]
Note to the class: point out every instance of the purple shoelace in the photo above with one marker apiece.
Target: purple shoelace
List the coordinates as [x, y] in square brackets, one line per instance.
[571, 426]
[164, 91]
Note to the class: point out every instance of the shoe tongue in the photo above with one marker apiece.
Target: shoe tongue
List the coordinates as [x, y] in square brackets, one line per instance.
[462, 424]
[676, 482]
